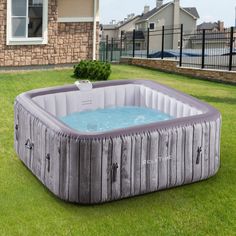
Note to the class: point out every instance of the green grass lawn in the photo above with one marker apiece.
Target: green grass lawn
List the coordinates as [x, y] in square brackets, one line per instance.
[205, 208]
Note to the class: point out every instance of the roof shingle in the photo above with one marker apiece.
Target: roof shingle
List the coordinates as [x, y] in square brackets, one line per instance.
[207, 26]
[152, 12]
[191, 10]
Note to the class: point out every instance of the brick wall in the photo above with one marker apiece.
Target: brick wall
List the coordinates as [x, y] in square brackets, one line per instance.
[172, 67]
[67, 42]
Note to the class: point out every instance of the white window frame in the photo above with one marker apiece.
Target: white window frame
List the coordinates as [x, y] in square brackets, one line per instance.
[153, 24]
[27, 41]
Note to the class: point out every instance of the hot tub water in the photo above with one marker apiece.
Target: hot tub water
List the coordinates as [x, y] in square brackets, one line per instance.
[113, 118]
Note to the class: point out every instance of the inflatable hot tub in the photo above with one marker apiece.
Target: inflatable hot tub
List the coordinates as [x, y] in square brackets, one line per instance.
[96, 167]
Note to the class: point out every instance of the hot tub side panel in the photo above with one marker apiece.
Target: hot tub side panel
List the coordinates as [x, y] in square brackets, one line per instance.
[100, 170]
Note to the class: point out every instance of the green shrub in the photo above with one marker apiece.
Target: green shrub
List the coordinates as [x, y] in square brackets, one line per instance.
[92, 70]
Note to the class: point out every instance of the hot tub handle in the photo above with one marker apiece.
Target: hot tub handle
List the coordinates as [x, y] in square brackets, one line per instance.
[17, 132]
[199, 151]
[29, 145]
[114, 172]
[48, 158]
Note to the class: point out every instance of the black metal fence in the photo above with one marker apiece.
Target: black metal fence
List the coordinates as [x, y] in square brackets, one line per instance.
[198, 49]
[110, 50]
[210, 50]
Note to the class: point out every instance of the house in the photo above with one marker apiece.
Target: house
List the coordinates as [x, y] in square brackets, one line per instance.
[212, 26]
[140, 42]
[48, 32]
[168, 15]
[114, 30]
[216, 36]
[109, 30]
[212, 41]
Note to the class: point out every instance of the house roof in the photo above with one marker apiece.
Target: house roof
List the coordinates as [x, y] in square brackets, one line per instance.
[209, 36]
[117, 26]
[207, 26]
[139, 35]
[128, 21]
[190, 10]
[109, 26]
[146, 16]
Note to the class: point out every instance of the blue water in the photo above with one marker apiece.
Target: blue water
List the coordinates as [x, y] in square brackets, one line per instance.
[113, 118]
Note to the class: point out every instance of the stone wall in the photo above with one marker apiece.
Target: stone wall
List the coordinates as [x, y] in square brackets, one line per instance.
[172, 67]
[67, 42]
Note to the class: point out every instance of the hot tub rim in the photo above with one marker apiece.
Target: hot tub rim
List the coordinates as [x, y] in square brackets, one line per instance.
[26, 101]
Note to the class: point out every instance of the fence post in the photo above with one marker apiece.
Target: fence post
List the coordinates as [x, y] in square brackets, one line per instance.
[163, 42]
[107, 48]
[134, 43]
[112, 45]
[121, 43]
[148, 38]
[181, 45]
[231, 48]
[203, 47]
[104, 51]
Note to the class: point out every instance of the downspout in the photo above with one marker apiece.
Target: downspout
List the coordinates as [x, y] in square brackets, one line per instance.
[94, 29]
[176, 23]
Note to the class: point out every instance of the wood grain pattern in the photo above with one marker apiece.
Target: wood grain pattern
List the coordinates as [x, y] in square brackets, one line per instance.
[52, 164]
[116, 159]
[64, 167]
[126, 167]
[197, 154]
[16, 128]
[84, 172]
[180, 150]
[37, 139]
[106, 170]
[143, 161]
[81, 170]
[74, 152]
[188, 157]
[163, 158]
[47, 166]
[147, 162]
[205, 150]
[137, 164]
[212, 148]
[96, 171]
[132, 168]
[42, 149]
[217, 146]
[153, 160]
[27, 131]
[173, 159]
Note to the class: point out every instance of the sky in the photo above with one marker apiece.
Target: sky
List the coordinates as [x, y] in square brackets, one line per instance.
[209, 10]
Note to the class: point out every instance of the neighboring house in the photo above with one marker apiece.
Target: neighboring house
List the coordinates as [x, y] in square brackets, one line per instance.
[216, 36]
[114, 30]
[140, 42]
[168, 15]
[48, 32]
[212, 40]
[212, 26]
[109, 30]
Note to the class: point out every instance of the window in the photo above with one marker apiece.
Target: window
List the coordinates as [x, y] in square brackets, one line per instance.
[27, 22]
[152, 26]
[137, 46]
[179, 43]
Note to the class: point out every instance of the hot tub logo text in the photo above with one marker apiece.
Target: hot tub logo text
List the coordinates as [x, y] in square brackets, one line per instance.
[157, 160]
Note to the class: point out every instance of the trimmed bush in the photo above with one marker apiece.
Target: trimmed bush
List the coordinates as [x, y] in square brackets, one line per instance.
[92, 70]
